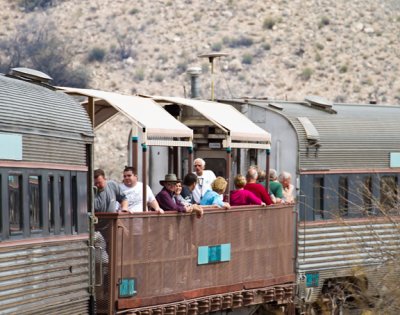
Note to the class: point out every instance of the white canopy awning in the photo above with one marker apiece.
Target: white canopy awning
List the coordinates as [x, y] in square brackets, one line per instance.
[154, 121]
[225, 116]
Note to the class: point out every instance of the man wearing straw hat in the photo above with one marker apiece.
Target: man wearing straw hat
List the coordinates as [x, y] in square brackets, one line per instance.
[166, 197]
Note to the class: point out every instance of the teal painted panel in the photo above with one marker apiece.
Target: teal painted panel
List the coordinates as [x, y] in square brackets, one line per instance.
[394, 159]
[214, 254]
[312, 279]
[202, 255]
[225, 252]
[127, 287]
[10, 146]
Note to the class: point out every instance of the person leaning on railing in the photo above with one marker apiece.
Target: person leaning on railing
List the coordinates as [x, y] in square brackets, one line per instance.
[107, 194]
[287, 188]
[256, 188]
[242, 197]
[214, 197]
[186, 197]
[133, 189]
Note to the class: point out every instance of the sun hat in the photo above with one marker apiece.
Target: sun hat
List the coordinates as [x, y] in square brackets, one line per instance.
[170, 178]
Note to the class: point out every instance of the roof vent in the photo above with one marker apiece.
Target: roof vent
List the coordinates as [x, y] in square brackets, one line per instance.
[320, 102]
[31, 75]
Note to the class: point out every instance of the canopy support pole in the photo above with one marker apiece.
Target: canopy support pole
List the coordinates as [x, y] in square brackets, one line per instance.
[228, 171]
[144, 175]
[268, 152]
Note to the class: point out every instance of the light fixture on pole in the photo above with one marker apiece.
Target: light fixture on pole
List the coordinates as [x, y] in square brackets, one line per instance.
[211, 57]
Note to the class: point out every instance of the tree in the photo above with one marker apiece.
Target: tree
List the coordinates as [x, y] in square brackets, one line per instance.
[36, 45]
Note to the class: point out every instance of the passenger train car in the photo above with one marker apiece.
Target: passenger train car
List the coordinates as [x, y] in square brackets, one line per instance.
[332, 248]
[344, 159]
[45, 157]
[240, 259]
[53, 262]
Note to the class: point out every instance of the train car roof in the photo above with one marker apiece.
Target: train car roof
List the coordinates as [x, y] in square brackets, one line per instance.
[241, 132]
[143, 112]
[33, 108]
[339, 136]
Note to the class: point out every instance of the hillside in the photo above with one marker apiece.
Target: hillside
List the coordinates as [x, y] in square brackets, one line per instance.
[345, 51]
[342, 50]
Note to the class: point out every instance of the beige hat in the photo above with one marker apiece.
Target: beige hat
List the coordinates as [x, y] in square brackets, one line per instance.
[170, 178]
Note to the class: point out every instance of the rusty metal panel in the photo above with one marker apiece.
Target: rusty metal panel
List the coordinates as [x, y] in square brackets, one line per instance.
[344, 248]
[160, 252]
[44, 277]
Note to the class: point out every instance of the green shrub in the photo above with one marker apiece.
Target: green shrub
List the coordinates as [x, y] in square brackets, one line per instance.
[133, 11]
[266, 46]
[247, 59]
[323, 22]
[32, 5]
[269, 23]
[306, 74]
[139, 74]
[216, 46]
[343, 69]
[242, 41]
[96, 54]
[159, 77]
[37, 45]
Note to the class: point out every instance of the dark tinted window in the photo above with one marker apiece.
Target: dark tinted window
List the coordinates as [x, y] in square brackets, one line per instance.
[74, 204]
[15, 203]
[318, 194]
[367, 195]
[62, 202]
[218, 166]
[343, 196]
[50, 184]
[34, 203]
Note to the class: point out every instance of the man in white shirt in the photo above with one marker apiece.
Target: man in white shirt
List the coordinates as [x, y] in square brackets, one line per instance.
[133, 190]
[204, 179]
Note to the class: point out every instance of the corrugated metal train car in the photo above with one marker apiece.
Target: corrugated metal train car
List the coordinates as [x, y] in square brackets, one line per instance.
[45, 140]
[345, 162]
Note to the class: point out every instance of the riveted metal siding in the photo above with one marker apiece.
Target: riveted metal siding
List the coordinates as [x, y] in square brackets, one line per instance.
[45, 278]
[31, 108]
[357, 136]
[340, 248]
[53, 150]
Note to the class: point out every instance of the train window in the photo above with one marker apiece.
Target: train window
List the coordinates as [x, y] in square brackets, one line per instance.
[388, 189]
[318, 200]
[61, 198]
[343, 195]
[15, 203]
[51, 202]
[217, 165]
[367, 195]
[34, 203]
[74, 204]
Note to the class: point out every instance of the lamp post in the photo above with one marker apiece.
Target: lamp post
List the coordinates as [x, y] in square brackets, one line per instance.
[211, 57]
